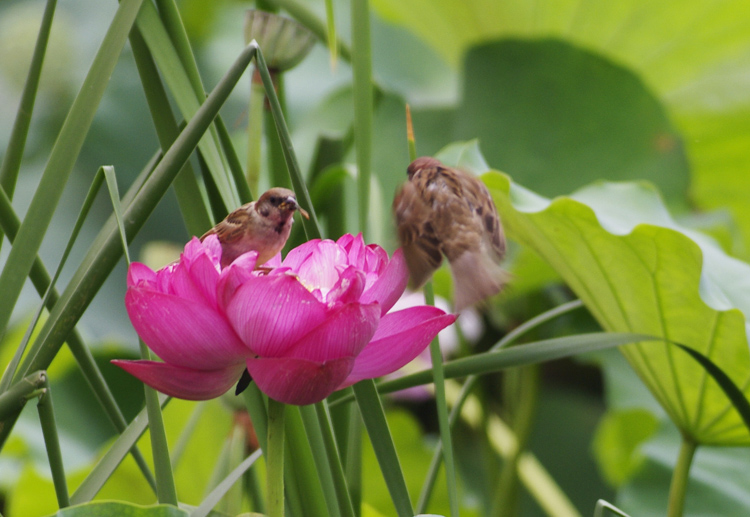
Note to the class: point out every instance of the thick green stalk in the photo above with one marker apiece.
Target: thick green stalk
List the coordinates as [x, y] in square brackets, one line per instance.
[15, 397]
[680, 477]
[373, 414]
[62, 159]
[276, 166]
[170, 17]
[331, 33]
[363, 96]
[317, 436]
[255, 133]
[354, 460]
[275, 459]
[522, 388]
[52, 443]
[192, 207]
[334, 459]
[308, 482]
[438, 377]
[312, 229]
[166, 492]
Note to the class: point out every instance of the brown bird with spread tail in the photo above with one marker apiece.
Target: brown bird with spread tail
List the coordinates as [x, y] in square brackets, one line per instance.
[444, 211]
[261, 225]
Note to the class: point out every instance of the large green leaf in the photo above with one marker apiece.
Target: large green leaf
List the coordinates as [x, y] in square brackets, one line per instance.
[558, 117]
[694, 54]
[637, 271]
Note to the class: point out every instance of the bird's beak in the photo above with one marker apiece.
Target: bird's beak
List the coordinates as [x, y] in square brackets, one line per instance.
[291, 204]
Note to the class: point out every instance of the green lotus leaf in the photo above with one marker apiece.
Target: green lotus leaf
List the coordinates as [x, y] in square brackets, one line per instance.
[636, 270]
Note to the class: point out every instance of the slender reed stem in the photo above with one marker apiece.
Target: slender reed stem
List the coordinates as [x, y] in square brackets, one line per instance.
[522, 387]
[334, 460]
[438, 377]
[52, 443]
[363, 92]
[166, 493]
[680, 477]
[255, 132]
[14, 398]
[275, 459]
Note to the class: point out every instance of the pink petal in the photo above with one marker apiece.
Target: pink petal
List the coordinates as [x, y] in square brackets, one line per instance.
[354, 247]
[345, 332]
[349, 287]
[140, 274]
[183, 383]
[247, 261]
[297, 256]
[297, 381]
[400, 337]
[211, 248]
[271, 313]
[183, 332]
[390, 286]
[321, 268]
[274, 261]
[346, 240]
[375, 258]
[182, 284]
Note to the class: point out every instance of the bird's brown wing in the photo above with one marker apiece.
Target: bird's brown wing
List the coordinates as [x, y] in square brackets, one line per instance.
[484, 213]
[416, 234]
[233, 227]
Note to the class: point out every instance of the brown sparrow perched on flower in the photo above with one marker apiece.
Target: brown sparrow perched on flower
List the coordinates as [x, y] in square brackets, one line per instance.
[261, 225]
[444, 211]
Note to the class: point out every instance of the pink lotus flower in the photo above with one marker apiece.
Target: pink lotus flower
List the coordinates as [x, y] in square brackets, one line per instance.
[316, 323]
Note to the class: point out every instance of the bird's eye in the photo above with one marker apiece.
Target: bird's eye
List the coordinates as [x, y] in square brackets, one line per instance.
[275, 200]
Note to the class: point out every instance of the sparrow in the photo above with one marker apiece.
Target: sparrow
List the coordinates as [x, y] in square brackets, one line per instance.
[261, 226]
[444, 211]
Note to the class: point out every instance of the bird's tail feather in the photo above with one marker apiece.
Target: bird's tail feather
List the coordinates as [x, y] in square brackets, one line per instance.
[476, 277]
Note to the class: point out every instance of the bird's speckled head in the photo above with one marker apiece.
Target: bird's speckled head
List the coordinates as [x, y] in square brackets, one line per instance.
[424, 162]
[280, 200]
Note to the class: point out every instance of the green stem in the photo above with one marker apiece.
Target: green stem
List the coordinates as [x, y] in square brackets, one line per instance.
[275, 459]
[680, 477]
[363, 93]
[52, 443]
[438, 377]
[354, 459]
[308, 478]
[276, 167]
[313, 431]
[522, 388]
[255, 133]
[166, 493]
[334, 459]
[312, 229]
[373, 415]
[14, 398]
[17, 142]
